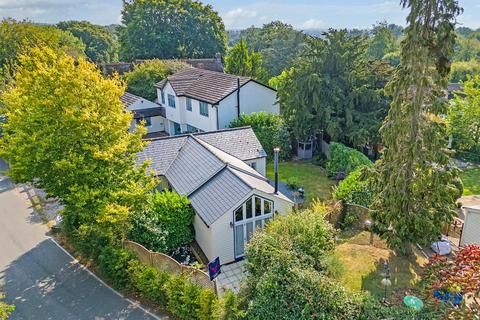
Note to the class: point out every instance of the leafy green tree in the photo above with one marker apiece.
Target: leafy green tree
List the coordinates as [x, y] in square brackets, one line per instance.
[270, 130]
[18, 36]
[332, 87]
[167, 222]
[142, 79]
[460, 70]
[467, 48]
[170, 29]
[100, 46]
[415, 185]
[5, 308]
[67, 133]
[464, 117]
[278, 43]
[382, 42]
[241, 62]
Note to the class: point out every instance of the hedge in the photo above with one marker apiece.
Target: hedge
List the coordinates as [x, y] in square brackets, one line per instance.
[173, 293]
[355, 189]
[344, 159]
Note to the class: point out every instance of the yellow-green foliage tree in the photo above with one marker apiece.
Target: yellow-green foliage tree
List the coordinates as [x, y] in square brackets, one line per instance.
[18, 36]
[67, 133]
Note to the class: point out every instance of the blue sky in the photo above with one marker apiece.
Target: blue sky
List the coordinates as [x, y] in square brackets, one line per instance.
[302, 14]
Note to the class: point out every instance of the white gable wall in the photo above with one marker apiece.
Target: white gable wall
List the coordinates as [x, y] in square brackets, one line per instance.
[222, 242]
[158, 123]
[254, 97]
[259, 164]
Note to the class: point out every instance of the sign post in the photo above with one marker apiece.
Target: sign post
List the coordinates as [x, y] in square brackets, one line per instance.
[214, 268]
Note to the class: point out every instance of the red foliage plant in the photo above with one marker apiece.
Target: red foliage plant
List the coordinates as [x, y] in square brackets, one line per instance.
[461, 274]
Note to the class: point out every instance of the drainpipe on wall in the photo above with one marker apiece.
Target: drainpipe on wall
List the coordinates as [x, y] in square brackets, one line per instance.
[276, 152]
[238, 97]
[216, 113]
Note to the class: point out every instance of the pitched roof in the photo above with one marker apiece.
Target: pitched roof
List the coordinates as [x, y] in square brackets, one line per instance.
[204, 85]
[213, 179]
[128, 99]
[242, 143]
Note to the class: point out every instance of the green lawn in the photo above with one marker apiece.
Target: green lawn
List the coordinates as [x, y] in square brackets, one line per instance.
[471, 181]
[310, 176]
[362, 265]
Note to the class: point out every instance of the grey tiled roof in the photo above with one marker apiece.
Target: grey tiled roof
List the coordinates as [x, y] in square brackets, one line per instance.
[213, 179]
[238, 142]
[218, 195]
[192, 167]
[242, 143]
[204, 85]
[128, 99]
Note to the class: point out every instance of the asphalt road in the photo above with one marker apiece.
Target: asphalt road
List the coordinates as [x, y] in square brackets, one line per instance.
[41, 279]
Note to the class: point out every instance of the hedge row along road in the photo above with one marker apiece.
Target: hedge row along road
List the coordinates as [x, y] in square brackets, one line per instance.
[41, 279]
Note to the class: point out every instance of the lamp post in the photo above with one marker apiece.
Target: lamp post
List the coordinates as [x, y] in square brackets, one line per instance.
[386, 282]
[276, 152]
[368, 227]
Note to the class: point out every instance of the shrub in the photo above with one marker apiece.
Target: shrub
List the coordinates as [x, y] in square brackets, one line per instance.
[207, 301]
[149, 283]
[344, 159]
[114, 263]
[270, 130]
[300, 292]
[5, 308]
[303, 238]
[166, 224]
[183, 297]
[229, 307]
[355, 189]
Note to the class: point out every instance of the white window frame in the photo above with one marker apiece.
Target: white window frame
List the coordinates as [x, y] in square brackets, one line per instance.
[188, 104]
[173, 100]
[204, 104]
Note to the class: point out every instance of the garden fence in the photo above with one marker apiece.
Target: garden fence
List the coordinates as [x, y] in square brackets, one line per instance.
[165, 263]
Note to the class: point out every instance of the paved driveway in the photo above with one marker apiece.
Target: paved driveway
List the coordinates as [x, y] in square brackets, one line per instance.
[41, 279]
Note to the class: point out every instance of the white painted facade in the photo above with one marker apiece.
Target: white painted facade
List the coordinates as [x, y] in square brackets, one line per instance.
[218, 240]
[157, 123]
[254, 97]
[259, 164]
[471, 226]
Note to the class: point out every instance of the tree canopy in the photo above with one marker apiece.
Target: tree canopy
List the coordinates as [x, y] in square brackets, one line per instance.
[18, 36]
[333, 87]
[464, 117]
[242, 62]
[278, 43]
[68, 134]
[383, 44]
[170, 29]
[416, 186]
[142, 79]
[100, 46]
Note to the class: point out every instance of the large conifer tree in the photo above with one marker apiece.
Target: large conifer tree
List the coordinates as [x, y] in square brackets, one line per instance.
[417, 187]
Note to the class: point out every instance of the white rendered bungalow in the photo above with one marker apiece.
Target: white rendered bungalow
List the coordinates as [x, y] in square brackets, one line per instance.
[230, 198]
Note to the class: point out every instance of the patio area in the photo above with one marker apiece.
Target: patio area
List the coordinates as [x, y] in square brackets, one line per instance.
[230, 277]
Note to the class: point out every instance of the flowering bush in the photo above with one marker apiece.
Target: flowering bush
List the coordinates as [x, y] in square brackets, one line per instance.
[460, 275]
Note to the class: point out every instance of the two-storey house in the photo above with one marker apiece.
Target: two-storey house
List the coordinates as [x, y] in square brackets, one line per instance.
[197, 100]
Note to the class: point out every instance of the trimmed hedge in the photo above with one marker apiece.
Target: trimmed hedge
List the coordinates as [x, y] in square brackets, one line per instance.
[355, 189]
[173, 293]
[344, 159]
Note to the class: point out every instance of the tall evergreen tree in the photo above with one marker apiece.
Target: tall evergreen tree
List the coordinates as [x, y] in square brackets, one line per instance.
[416, 186]
[332, 87]
[242, 62]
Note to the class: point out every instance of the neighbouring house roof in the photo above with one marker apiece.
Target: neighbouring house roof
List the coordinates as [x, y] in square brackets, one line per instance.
[149, 112]
[128, 99]
[211, 178]
[204, 85]
[212, 64]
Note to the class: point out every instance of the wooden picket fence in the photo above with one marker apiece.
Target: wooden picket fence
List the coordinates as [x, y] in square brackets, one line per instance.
[165, 263]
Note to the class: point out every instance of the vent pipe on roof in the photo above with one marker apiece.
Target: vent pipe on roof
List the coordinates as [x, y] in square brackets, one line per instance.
[238, 97]
[276, 152]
